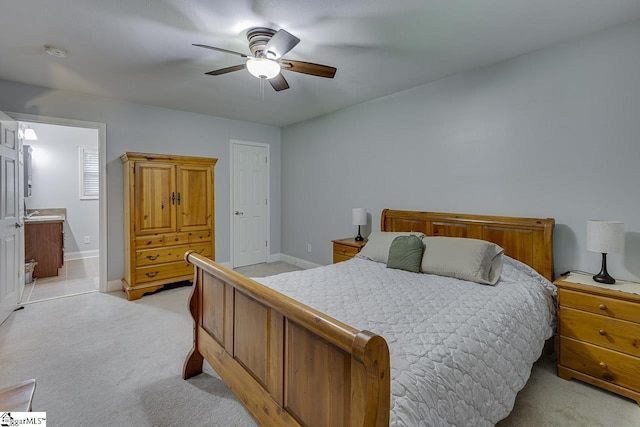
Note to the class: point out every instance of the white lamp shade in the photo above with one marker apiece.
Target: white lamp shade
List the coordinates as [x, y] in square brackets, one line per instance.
[606, 237]
[359, 216]
[263, 68]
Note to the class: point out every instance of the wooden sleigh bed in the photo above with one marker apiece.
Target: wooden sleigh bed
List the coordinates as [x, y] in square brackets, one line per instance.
[291, 365]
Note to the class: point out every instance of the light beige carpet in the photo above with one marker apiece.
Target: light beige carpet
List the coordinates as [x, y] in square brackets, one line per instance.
[101, 360]
[264, 270]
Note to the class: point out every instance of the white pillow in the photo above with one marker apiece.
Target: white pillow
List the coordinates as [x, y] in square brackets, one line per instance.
[379, 242]
[467, 259]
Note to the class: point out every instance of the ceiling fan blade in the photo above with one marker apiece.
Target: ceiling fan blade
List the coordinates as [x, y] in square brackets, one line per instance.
[279, 83]
[308, 68]
[227, 70]
[219, 49]
[279, 44]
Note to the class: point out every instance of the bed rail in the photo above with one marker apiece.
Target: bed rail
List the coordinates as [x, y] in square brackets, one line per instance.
[289, 365]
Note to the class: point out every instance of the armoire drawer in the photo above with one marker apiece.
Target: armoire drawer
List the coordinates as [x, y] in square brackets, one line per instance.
[166, 254]
[199, 236]
[155, 240]
[163, 271]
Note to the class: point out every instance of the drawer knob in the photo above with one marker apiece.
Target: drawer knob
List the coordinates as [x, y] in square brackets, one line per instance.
[152, 274]
[603, 365]
[602, 332]
[602, 307]
[152, 258]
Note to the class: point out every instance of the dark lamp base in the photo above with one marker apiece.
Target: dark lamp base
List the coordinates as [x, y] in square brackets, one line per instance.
[603, 276]
[359, 238]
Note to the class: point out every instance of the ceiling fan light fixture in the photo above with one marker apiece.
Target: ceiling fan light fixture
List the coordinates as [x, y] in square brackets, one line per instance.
[263, 68]
[266, 61]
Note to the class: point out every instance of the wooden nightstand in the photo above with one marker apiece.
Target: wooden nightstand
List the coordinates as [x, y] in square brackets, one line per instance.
[345, 249]
[599, 334]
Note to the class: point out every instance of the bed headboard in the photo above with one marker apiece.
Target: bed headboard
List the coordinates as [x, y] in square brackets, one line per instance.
[529, 240]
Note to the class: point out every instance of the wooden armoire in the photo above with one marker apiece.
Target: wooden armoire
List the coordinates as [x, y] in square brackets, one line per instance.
[168, 210]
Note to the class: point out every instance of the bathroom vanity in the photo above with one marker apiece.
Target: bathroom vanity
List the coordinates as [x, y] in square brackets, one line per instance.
[44, 241]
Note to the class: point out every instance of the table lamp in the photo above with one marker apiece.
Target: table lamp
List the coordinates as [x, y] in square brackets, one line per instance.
[606, 237]
[359, 217]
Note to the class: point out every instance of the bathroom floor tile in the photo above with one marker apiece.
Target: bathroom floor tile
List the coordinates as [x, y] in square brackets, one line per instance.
[75, 277]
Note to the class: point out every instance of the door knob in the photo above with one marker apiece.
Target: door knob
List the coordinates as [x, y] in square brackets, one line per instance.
[239, 213]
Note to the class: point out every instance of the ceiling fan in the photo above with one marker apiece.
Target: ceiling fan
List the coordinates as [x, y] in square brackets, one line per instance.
[266, 60]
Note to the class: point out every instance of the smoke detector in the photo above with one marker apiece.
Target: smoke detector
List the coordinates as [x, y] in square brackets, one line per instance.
[55, 51]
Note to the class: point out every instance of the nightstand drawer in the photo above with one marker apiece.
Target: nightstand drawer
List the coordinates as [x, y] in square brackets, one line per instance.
[340, 258]
[344, 250]
[599, 305]
[605, 365]
[604, 331]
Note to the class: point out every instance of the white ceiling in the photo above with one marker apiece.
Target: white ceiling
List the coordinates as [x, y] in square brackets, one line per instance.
[140, 50]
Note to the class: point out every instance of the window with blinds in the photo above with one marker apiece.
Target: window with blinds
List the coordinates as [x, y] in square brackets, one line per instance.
[89, 175]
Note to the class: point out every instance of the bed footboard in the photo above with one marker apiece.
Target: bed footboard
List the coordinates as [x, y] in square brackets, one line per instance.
[289, 364]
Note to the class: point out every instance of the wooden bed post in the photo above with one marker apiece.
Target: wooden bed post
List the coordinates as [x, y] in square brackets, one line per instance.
[372, 375]
[193, 362]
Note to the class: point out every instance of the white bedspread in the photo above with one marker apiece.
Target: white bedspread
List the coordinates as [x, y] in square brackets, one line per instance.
[460, 351]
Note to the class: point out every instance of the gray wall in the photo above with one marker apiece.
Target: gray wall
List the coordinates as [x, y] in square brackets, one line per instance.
[56, 172]
[136, 127]
[555, 133]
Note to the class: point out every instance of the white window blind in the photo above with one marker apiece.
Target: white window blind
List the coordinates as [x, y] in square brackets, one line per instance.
[89, 176]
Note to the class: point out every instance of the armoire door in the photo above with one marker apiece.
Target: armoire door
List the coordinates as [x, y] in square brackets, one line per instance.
[195, 208]
[156, 197]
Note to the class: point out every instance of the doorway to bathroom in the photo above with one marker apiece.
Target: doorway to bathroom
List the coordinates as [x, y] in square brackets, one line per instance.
[63, 221]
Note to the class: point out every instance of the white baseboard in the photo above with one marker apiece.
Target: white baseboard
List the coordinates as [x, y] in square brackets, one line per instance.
[274, 258]
[298, 262]
[81, 255]
[114, 285]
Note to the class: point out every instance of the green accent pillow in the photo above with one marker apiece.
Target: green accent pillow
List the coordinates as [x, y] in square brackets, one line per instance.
[405, 253]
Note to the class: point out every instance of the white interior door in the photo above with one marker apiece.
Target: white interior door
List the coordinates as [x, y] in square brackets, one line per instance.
[10, 221]
[249, 203]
